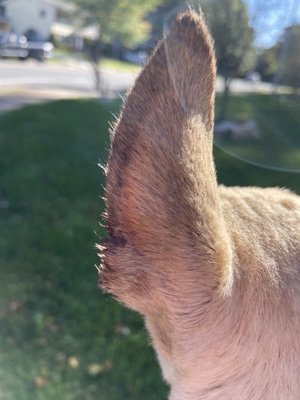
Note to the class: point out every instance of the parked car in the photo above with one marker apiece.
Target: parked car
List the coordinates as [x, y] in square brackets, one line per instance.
[14, 46]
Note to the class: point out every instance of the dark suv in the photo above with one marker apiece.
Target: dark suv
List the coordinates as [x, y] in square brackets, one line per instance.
[40, 50]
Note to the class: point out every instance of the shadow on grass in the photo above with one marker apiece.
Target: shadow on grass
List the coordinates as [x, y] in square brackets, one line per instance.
[278, 122]
[60, 338]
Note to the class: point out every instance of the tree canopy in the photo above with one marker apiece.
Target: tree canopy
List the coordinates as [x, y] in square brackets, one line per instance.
[230, 26]
[267, 63]
[291, 64]
[229, 23]
[281, 62]
[121, 20]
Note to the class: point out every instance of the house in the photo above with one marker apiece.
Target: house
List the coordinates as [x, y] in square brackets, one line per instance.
[32, 18]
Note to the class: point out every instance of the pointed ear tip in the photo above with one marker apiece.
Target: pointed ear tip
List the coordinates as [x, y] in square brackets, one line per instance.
[189, 15]
[191, 23]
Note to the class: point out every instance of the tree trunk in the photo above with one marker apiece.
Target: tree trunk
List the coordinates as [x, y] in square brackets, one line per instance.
[97, 75]
[95, 56]
[224, 99]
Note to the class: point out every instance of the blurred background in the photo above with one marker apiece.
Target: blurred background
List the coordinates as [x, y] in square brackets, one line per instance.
[64, 68]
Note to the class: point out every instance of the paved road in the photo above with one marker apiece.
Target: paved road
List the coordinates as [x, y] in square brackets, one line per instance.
[30, 81]
[67, 76]
[78, 76]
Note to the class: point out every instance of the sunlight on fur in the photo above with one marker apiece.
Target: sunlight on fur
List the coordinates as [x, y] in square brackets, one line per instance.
[213, 270]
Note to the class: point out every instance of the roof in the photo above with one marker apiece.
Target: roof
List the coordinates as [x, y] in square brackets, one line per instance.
[63, 5]
[60, 4]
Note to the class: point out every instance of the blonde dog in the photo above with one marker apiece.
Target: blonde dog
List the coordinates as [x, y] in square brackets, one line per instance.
[215, 271]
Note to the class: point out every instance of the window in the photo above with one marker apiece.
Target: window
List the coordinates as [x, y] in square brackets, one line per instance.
[2, 11]
[43, 14]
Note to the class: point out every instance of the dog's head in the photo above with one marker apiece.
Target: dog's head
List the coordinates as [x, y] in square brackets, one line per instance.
[168, 254]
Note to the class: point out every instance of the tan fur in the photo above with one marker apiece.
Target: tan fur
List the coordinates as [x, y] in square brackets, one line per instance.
[215, 271]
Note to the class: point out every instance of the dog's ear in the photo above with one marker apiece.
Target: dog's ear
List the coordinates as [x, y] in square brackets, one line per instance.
[162, 198]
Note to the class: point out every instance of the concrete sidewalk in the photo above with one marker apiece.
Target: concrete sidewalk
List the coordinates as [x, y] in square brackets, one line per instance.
[17, 97]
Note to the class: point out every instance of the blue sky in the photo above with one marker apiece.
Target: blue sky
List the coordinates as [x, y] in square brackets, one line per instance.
[271, 17]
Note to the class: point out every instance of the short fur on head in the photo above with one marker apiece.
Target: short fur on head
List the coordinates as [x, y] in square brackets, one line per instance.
[215, 271]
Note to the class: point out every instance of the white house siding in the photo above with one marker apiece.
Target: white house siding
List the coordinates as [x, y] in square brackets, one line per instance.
[25, 15]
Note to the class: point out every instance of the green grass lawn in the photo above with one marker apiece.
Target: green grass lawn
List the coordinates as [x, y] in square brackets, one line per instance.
[120, 66]
[60, 338]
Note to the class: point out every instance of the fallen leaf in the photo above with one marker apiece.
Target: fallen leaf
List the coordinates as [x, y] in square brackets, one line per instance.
[40, 381]
[73, 362]
[96, 369]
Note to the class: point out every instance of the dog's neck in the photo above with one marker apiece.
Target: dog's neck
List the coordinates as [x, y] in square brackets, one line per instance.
[230, 352]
